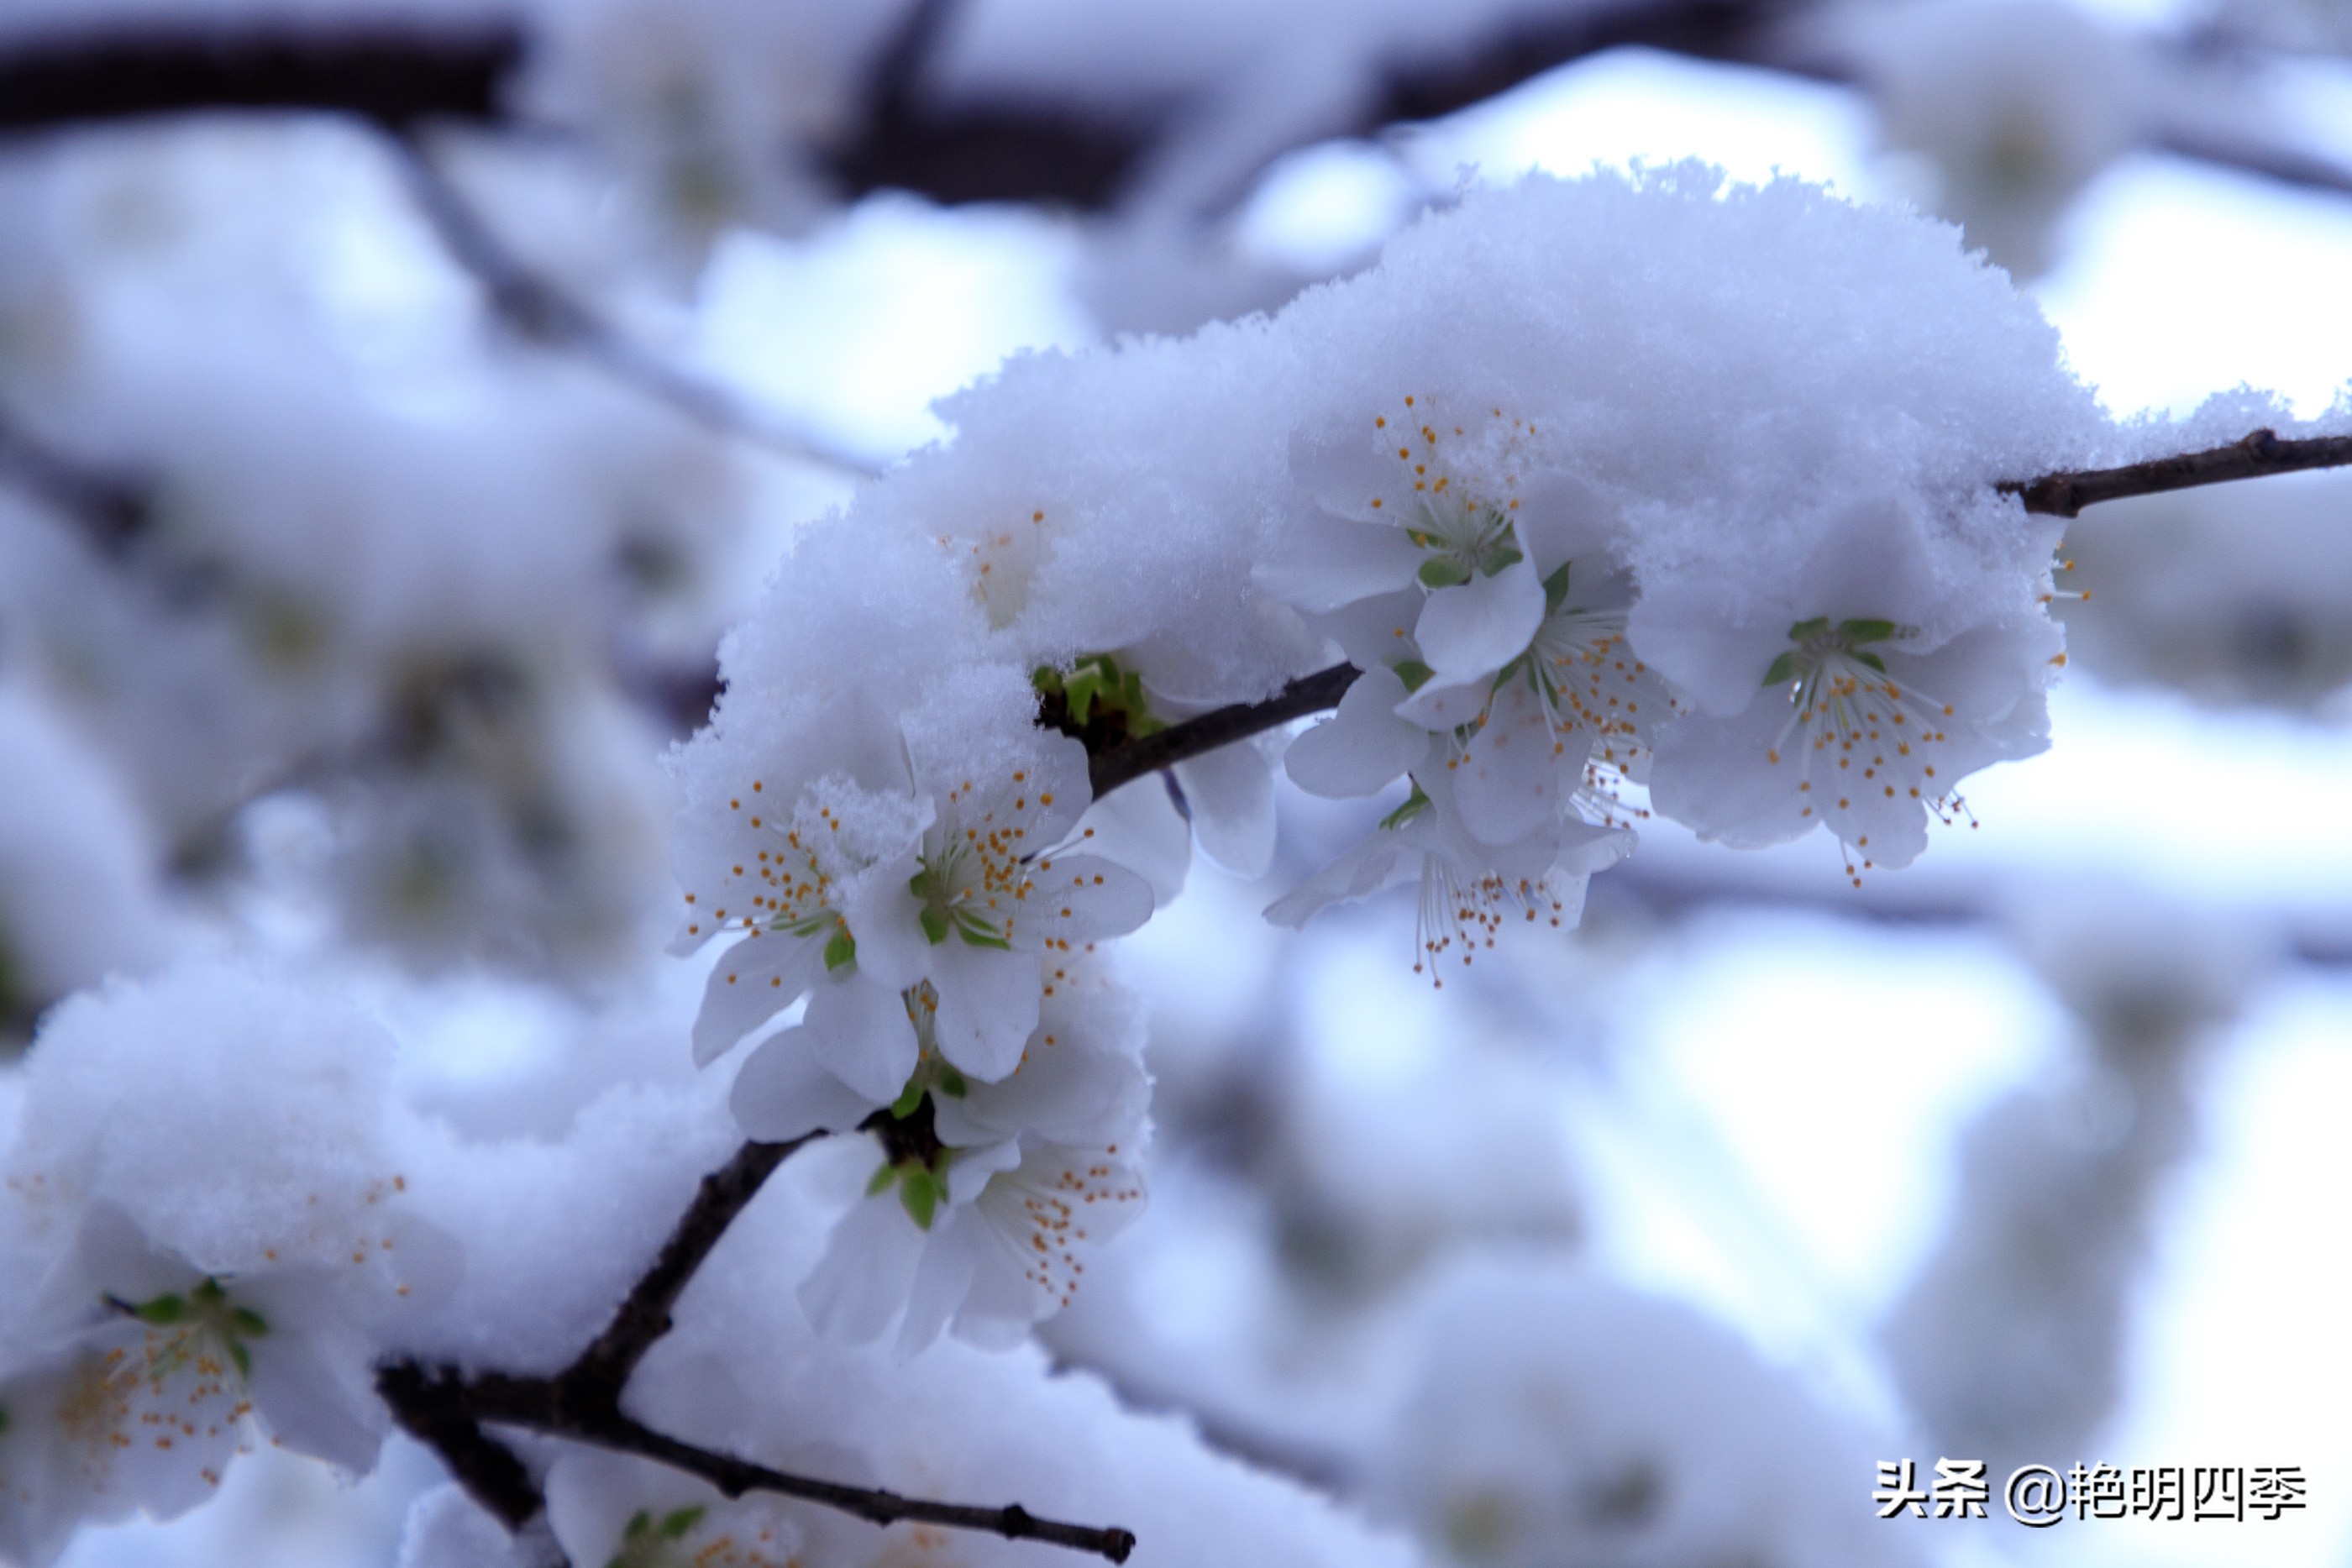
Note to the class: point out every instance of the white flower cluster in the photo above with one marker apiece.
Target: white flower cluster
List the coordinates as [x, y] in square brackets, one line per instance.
[1591, 514]
[197, 1264]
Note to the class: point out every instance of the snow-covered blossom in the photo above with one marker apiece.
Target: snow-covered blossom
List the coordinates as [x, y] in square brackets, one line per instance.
[1844, 714]
[201, 1177]
[907, 913]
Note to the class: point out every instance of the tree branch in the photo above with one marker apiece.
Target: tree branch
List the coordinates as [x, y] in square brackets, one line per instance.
[1130, 760]
[391, 74]
[541, 311]
[2253, 456]
[448, 1409]
[602, 1370]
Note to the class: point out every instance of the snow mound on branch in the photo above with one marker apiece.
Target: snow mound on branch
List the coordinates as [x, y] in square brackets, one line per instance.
[1731, 369]
[237, 1117]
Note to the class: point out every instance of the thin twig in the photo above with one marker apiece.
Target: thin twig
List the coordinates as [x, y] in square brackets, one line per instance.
[602, 1369]
[447, 1408]
[2253, 456]
[1130, 760]
[541, 311]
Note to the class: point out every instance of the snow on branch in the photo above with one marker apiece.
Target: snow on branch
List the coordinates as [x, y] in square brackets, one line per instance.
[448, 1409]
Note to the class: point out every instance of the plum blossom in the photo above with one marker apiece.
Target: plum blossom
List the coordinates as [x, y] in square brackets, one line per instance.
[987, 1194]
[1849, 721]
[145, 1377]
[906, 914]
[1470, 890]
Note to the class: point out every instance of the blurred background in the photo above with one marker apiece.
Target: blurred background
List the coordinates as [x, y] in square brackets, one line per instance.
[397, 402]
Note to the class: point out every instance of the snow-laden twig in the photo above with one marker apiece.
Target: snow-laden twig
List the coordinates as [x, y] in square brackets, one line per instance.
[448, 1409]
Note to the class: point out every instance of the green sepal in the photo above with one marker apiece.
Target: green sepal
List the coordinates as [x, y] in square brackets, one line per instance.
[208, 1293]
[1555, 589]
[675, 1525]
[976, 934]
[840, 950]
[909, 1098]
[1866, 630]
[935, 923]
[248, 1323]
[920, 1192]
[883, 1177]
[1872, 660]
[1783, 669]
[161, 1309]
[1439, 572]
[951, 1083]
[1804, 629]
[1503, 561]
[639, 1522]
[1412, 672]
[4, 1419]
[1414, 805]
[242, 1356]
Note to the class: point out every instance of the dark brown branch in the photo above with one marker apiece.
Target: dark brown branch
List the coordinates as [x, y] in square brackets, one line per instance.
[602, 1370]
[2254, 457]
[448, 1409]
[393, 75]
[1179, 742]
[484, 1467]
[541, 311]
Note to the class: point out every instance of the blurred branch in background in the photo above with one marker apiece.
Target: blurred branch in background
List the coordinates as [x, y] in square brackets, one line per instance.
[541, 311]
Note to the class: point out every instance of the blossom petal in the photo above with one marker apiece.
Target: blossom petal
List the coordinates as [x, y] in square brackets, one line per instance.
[1361, 749]
[1559, 518]
[1323, 563]
[857, 1028]
[1442, 706]
[1718, 777]
[943, 1278]
[1141, 828]
[885, 920]
[1692, 632]
[1230, 791]
[784, 1092]
[1507, 783]
[1380, 860]
[754, 981]
[1079, 898]
[1477, 627]
[988, 1003]
[867, 1269]
[311, 1406]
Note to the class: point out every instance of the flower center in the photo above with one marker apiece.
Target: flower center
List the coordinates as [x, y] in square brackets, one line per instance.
[1462, 537]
